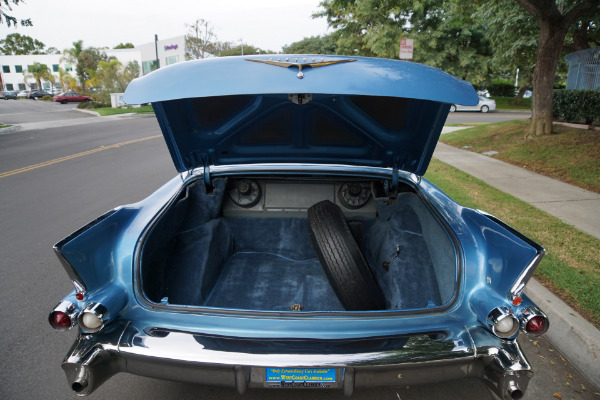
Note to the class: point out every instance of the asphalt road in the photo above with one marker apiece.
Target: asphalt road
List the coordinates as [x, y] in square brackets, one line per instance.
[25, 110]
[54, 180]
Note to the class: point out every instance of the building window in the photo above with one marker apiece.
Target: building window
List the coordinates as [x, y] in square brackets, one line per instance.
[6, 69]
[46, 85]
[148, 66]
[68, 67]
[10, 87]
[19, 69]
[22, 86]
[54, 67]
[171, 60]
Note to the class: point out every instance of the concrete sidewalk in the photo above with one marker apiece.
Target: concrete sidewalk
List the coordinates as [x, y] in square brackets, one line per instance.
[576, 338]
[575, 206]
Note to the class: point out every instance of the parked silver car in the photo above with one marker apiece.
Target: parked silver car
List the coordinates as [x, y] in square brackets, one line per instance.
[484, 105]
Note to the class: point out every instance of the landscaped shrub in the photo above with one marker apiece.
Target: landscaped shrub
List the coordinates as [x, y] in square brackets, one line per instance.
[501, 88]
[576, 105]
[92, 104]
[46, 98]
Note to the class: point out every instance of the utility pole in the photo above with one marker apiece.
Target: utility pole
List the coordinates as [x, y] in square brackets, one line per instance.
[156, 49]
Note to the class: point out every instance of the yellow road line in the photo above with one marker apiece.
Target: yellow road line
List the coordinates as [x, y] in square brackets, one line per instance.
[72, 156]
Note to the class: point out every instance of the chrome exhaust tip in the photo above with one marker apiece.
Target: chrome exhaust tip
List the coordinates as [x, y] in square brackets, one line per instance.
[514, 392]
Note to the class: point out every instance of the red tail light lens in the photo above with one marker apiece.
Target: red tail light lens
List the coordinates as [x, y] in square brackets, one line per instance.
[60, 320]
[63, 316]
[535, 324]
[533, 321]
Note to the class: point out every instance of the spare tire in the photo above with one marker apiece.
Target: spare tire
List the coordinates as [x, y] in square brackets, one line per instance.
[347, 271]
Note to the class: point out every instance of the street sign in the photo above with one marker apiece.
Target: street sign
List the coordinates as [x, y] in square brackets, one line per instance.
[406, 49]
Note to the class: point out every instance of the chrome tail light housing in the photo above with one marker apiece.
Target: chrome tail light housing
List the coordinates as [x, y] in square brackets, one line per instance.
[64, 316]
[503, 323]
[533, 321]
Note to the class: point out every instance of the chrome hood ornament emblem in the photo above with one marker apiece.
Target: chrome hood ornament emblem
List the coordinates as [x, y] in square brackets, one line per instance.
[301, 65]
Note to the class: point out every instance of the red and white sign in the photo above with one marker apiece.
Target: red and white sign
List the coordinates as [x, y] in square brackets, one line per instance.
[406, 49]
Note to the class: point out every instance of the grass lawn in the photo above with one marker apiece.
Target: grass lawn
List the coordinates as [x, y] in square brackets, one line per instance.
[571, 267]
[111, 111]
[571, 155]
[503, 103]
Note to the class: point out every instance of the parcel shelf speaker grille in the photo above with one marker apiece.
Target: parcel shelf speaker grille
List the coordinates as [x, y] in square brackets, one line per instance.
[354, 195]
[245, 193]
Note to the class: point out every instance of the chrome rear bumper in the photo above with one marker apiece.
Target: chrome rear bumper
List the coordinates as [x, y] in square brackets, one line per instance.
[241, 363]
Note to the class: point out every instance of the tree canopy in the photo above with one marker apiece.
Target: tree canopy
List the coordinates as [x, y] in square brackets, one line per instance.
[17, 44]
[9, 20]
[483, 41]
[446, 34]
[127, 45]
[200, 40]
[325, 44]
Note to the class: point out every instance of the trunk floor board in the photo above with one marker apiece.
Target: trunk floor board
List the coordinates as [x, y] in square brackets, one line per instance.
[268, 281]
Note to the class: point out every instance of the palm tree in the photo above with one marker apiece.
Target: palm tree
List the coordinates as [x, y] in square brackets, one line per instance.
[39, 72]
[66, 80]
[71, 56]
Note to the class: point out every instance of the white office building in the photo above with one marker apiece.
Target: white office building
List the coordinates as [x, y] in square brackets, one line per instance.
[13, 68]
[166, 51]
[169, 51]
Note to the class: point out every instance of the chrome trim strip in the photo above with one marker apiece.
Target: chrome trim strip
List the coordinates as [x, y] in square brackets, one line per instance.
[518, 286]
[304, 169]
[239, 362]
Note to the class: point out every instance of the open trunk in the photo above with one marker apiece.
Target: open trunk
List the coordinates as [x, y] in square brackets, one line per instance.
[253, 251]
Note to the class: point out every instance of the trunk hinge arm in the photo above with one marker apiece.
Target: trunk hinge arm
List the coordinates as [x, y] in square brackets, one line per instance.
[395, 168]
[206, 174]
[203, 158]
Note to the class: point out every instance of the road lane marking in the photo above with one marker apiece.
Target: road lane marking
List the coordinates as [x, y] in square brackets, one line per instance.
[72, 156]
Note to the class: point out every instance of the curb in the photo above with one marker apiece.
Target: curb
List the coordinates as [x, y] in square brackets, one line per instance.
[88, 112]
[10, 129]
[569, 332]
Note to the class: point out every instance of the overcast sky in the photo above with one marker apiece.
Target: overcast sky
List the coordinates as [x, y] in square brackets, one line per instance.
[268, 24]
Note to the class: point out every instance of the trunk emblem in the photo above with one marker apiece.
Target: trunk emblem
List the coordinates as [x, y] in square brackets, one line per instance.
[300, 66]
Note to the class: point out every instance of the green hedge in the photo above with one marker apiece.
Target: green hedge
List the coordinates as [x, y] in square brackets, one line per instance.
[576, 105]
[92, 104]
[501, 88]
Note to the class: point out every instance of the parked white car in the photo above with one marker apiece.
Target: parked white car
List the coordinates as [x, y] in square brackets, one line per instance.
[484, 105]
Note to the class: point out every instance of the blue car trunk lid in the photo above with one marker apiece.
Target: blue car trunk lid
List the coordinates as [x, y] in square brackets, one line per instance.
[301, 109]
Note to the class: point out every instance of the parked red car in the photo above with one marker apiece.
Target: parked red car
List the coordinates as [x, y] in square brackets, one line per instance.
[65, 98]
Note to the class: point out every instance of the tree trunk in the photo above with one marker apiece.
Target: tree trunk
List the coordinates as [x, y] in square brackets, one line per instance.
[518, 100]
[552, 36]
